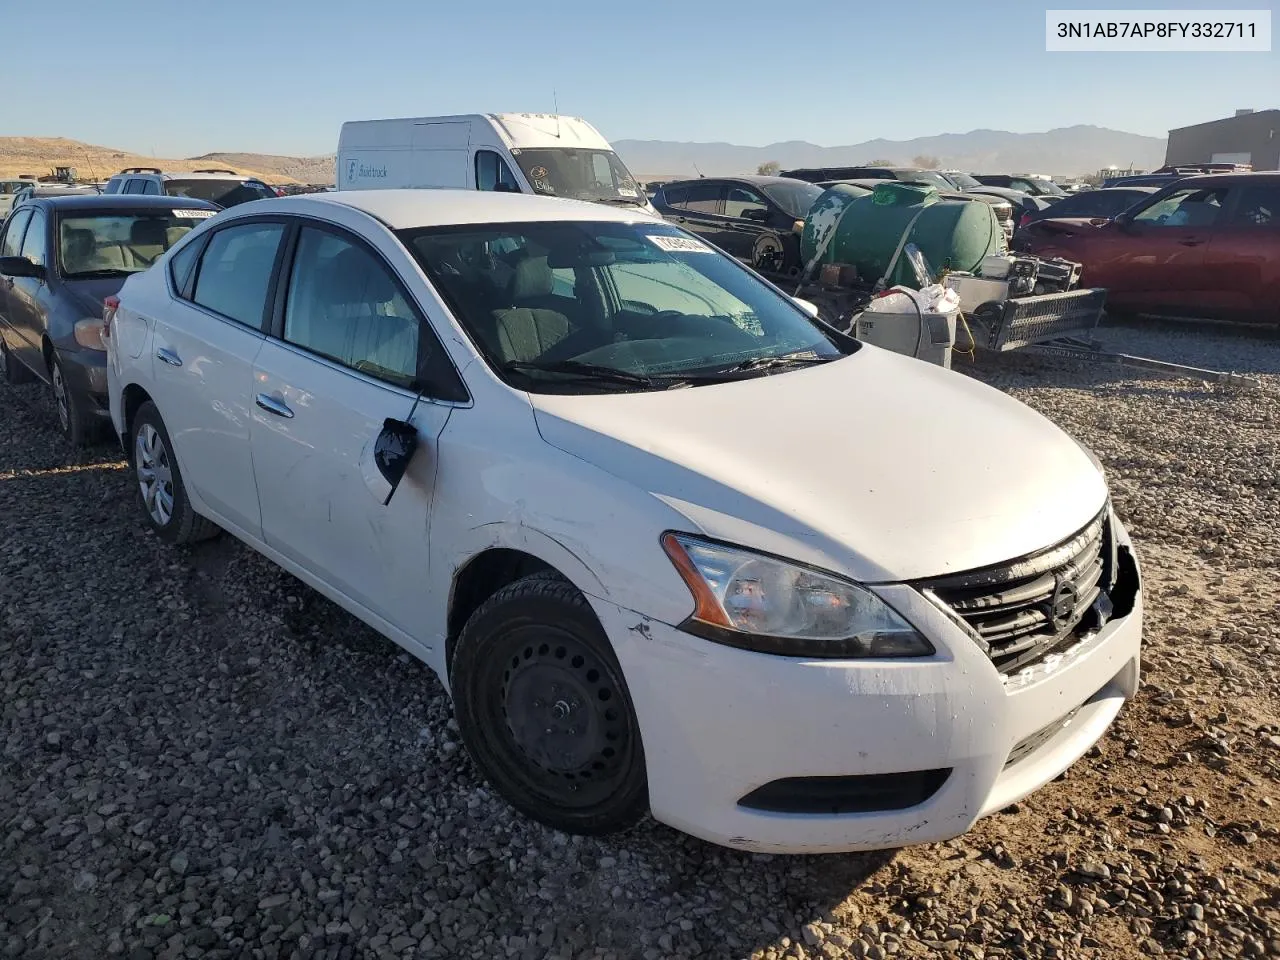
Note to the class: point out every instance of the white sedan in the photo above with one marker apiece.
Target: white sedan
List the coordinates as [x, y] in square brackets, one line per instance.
[671, 544]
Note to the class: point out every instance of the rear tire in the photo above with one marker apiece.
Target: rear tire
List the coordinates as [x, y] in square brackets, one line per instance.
[544, 709]
[161, 493]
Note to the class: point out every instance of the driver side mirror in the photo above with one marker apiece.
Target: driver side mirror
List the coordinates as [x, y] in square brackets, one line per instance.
[758, 214]
[21, 267]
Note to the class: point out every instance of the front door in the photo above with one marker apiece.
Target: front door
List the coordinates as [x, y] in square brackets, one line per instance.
[351, 349]
[746, 220]
[31, 298]
[203, 352]
[11, 246]
[1159, 254]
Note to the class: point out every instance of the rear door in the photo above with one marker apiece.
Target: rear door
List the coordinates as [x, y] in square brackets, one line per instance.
[1243, 256]
[204, 347]
[703, 212]
[350, 349]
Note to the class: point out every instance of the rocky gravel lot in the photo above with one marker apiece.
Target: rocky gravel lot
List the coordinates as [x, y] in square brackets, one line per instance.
[200, 757]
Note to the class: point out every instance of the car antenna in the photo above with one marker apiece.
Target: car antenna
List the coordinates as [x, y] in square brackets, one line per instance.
[695, 167]
[396, 445]
[555, 105]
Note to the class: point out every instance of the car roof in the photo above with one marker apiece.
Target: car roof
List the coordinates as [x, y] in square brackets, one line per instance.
[406, 209]
[1230, 179]
[754, 178]
[183, 175]
[121, 201]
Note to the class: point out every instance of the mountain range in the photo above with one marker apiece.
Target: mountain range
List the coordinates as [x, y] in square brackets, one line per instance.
[1070, 151]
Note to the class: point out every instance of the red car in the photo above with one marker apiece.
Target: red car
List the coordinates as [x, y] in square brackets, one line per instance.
[1202, 247]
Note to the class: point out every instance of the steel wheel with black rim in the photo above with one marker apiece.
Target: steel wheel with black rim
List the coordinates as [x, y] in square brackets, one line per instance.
[159, 482]
[71, 417]
[544, 709]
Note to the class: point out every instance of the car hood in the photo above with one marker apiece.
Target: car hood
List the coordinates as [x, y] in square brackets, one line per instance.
[879, 466]
[90, 293]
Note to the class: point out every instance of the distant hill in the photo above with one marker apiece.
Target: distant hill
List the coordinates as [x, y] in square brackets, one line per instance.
[303, 169]
[38, 155]
[1064, 151]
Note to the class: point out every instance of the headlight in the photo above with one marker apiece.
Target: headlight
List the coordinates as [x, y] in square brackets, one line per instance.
[757, 602]
[88, 333]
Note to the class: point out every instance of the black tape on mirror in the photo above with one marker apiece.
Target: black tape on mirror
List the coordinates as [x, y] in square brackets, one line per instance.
[393, 450]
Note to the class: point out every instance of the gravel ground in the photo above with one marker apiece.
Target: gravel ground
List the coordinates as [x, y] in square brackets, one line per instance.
[200, 757]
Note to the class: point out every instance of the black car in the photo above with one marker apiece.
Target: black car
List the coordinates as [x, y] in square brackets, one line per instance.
[59, 258]
[1090, 204]
[752, 218]
[908, 174]
[1036, 186]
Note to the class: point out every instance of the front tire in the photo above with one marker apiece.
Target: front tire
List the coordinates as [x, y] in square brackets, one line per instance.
[544, 709]
[161, 493]
[73, 423]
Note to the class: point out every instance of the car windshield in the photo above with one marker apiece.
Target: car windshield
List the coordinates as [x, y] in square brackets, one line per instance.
[579, 175]
[794, 198]
[963, 180]
[225, 193]
[599, 306]
[111, 243]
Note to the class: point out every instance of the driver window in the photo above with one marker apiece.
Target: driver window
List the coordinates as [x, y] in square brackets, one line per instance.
[1190, 207]
[33, 244]
[344, 305]
[492, 173]
[13, 234]
[745, 204]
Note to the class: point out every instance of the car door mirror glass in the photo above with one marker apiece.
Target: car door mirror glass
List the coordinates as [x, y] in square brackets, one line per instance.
[20, 267]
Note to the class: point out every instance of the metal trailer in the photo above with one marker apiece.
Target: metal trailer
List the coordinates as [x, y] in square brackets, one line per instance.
[1059, 325]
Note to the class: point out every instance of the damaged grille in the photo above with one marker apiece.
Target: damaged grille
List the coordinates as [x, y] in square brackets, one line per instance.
[1024, 610]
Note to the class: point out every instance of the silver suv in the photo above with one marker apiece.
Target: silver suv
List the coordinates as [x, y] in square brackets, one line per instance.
[226, 188]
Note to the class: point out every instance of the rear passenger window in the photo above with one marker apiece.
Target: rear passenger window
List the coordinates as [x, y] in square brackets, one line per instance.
[675, 196]
[182, 268]
[151, 188]
[1258, 205]
[235, 272]
[704, 198]
[344, 305]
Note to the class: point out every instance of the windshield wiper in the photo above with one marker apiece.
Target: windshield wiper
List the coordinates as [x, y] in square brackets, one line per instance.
[629, 201]
[768, 363]
[582, 371]
[94, 274]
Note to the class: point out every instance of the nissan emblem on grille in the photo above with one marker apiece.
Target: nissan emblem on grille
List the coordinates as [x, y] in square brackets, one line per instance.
[1063, 605]
[1030, 607]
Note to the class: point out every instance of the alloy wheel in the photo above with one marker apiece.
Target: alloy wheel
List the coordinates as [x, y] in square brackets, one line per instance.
[155, 475]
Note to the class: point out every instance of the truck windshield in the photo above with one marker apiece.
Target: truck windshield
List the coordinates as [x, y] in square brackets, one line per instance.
[587, 306]
[580, 175]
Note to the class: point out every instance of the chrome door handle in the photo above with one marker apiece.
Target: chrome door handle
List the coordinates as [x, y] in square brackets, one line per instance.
[169, 357]
[273, 405]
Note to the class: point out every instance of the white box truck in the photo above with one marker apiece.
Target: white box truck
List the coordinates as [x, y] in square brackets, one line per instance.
[538, 153]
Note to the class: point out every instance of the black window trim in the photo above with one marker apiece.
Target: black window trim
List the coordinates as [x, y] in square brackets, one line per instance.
[277, 297]
[43, 211]
[198, 242]
[195, 276]
[24, 210]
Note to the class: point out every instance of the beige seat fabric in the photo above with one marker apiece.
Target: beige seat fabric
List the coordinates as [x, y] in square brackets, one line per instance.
[147, 241]
[525, 334]
[81, 254]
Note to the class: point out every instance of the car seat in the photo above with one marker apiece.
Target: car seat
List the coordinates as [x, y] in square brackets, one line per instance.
[536, 320]
[343, 319]
[82, 253]
[147, 241]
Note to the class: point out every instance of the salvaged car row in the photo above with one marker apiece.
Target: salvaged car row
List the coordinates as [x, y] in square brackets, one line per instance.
[548, 437]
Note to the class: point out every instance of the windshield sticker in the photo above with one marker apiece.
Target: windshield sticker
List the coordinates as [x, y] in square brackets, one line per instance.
[538, 173]
[194, 214]
[626, 191]
[678, 244]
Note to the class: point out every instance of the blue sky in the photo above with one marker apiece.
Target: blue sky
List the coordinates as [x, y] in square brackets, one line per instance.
[177, 79]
